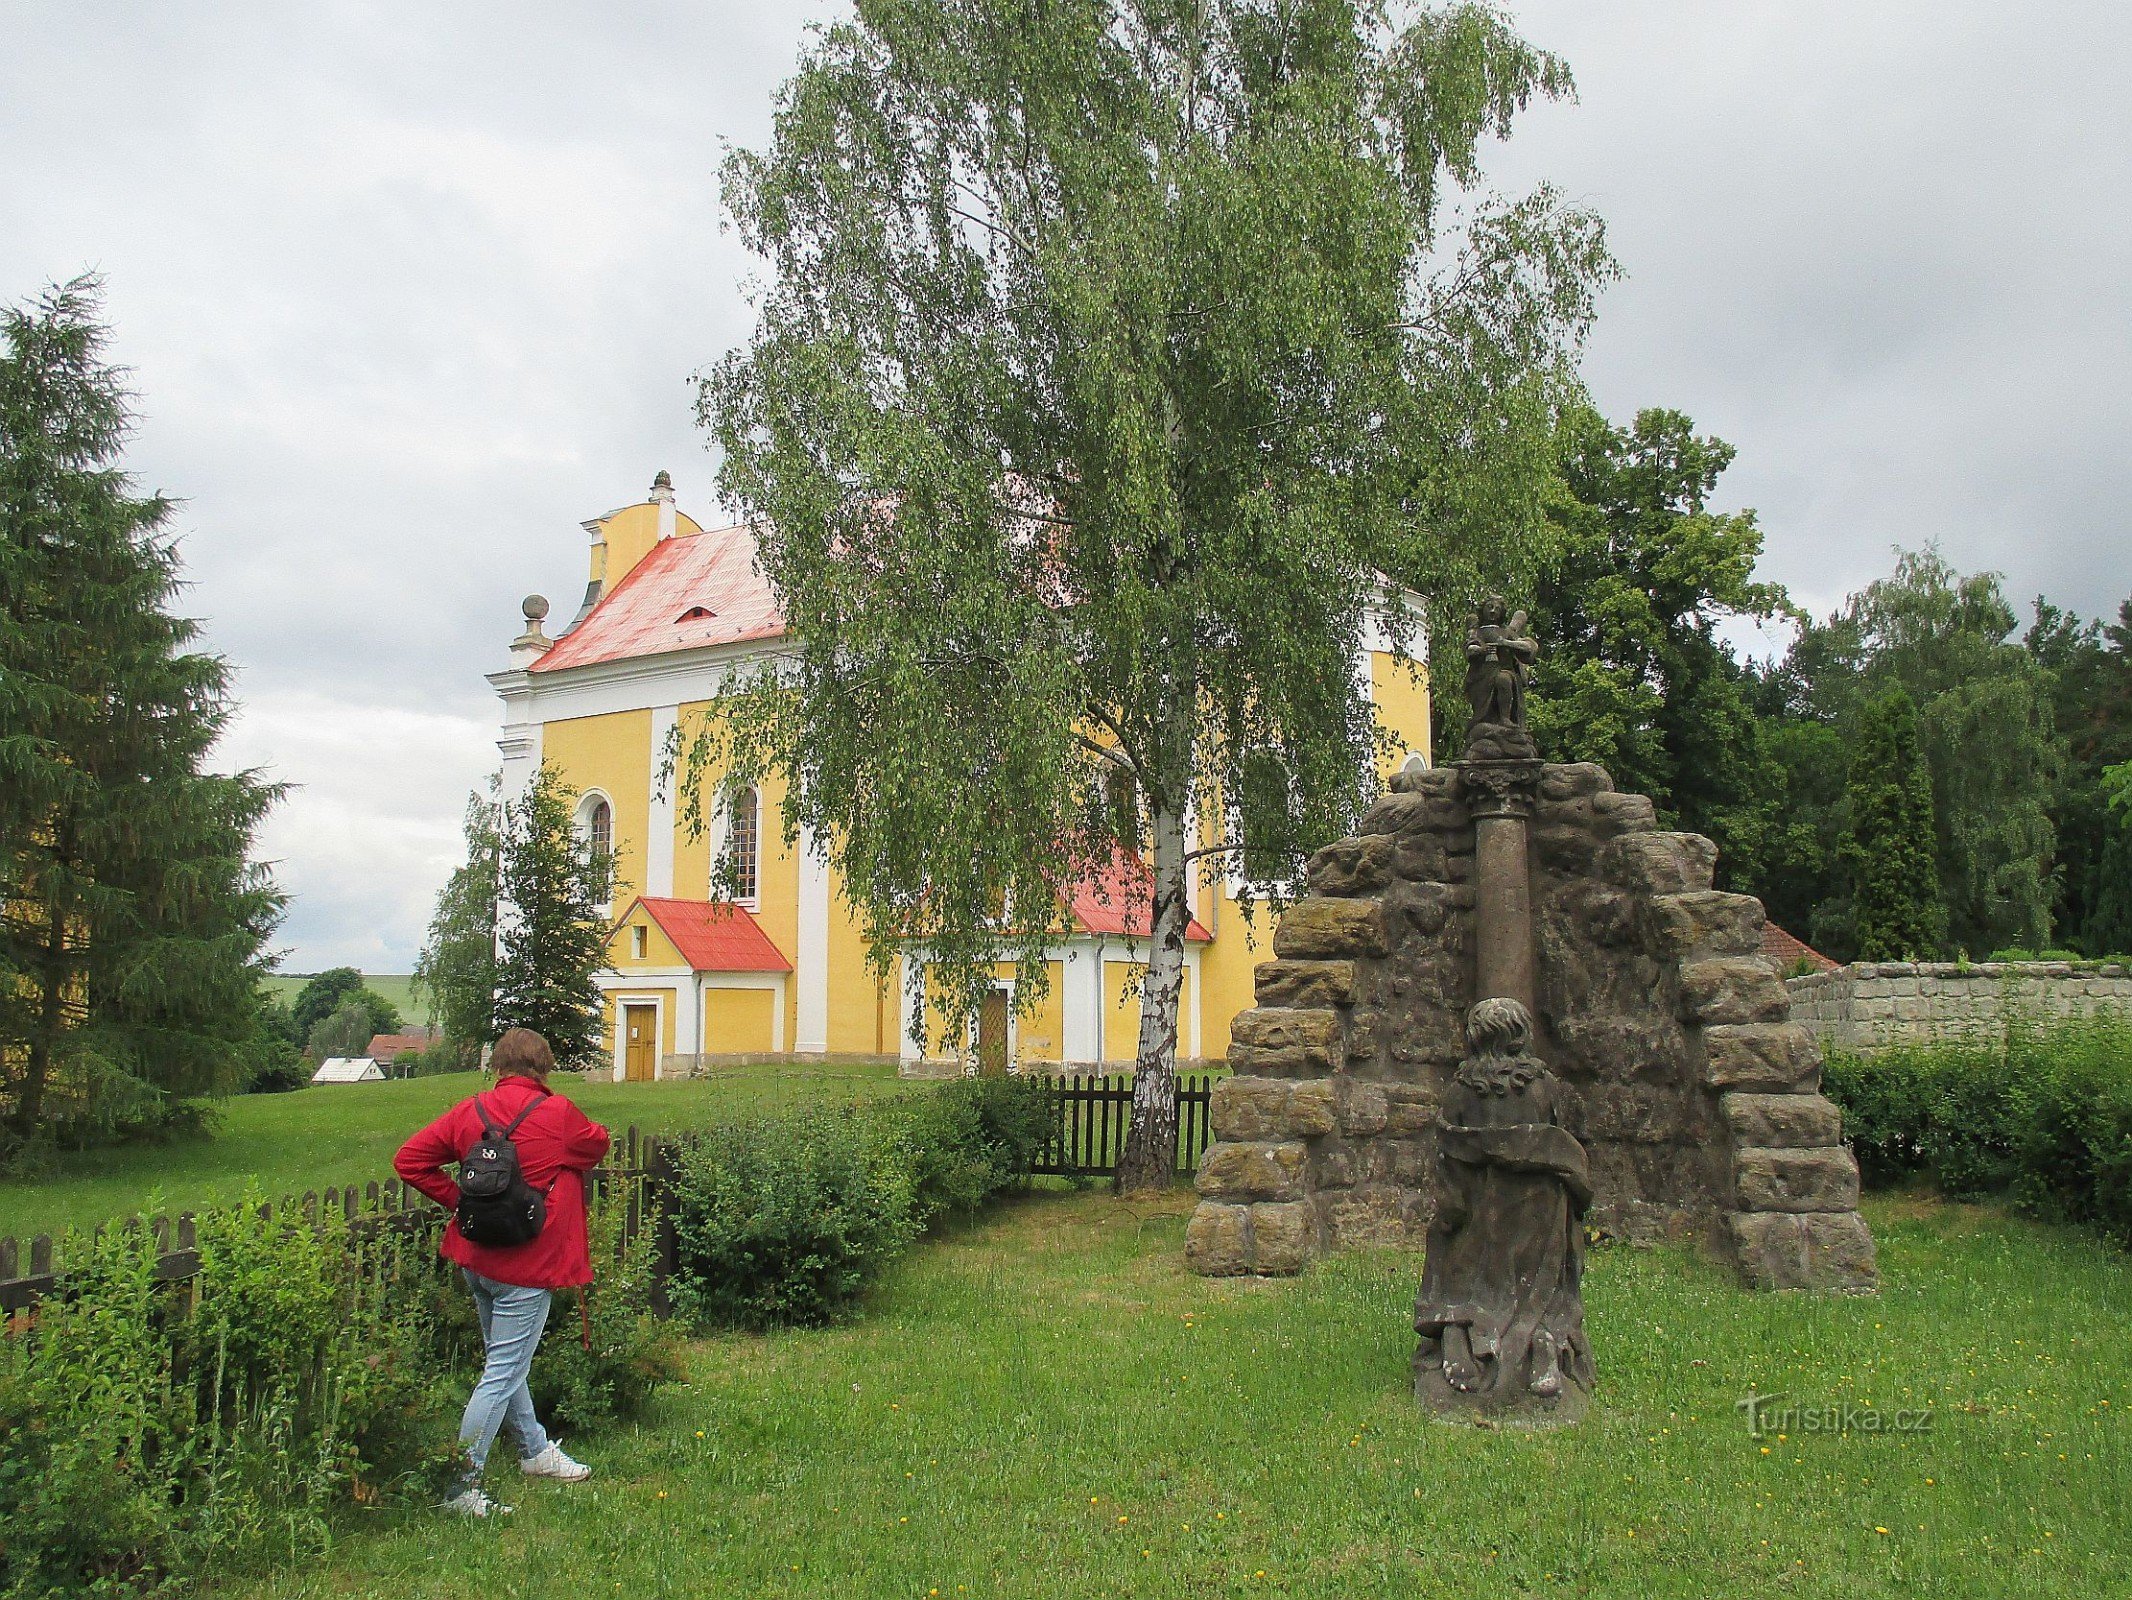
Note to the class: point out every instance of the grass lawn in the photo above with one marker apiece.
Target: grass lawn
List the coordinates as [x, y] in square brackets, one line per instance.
[338, 1134]
[1047, 1405]
[398, 987]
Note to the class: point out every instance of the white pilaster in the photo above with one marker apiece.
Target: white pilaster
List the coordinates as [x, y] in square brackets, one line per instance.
[659, 826]
[810, 961]
[910, 1010]
[1081, 1004]
[519, 744]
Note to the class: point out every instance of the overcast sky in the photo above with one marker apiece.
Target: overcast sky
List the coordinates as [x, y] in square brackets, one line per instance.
[410, 291]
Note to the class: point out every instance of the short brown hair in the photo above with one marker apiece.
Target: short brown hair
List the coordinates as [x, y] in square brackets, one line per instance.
[523, 1052]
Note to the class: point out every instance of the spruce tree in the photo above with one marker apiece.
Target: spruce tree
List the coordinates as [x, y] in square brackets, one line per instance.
[553, 941]
[457, 968]
[132, 918]
[1894, 872]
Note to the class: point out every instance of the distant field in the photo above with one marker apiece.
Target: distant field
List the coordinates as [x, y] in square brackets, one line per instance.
[345, 1133]
[398, 987]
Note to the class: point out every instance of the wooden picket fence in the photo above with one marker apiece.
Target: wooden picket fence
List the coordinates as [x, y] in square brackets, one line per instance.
[1088, 1134]
[1088, 1131]
[638, 1164]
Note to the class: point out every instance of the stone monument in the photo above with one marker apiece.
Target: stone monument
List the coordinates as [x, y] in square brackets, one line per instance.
[1666, 1040]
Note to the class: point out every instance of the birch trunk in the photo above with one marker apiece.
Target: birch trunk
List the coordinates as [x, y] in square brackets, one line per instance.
[1149, 1160]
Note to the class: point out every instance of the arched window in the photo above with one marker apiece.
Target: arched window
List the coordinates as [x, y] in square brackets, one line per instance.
[595, 830]
[743, 833]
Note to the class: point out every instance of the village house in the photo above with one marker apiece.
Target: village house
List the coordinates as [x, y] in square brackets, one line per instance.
[670, 607]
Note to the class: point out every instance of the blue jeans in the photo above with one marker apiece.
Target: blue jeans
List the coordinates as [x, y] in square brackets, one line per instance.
[511, 1320]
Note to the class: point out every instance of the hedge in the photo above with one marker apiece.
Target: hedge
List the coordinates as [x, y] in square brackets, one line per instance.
[2040, 1115]
[787, 1220]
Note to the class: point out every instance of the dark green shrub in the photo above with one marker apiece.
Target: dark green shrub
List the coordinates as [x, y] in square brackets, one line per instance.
[2040, 1115]
[632, 1352]
[787, 1219]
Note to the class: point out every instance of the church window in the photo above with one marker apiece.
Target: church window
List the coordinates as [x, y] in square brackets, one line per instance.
[742, 842]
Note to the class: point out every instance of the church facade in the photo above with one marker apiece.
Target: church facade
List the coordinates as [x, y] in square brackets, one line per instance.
[670, 607]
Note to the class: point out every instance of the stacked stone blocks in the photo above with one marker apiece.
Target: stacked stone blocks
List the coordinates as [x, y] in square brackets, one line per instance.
[1695, 1094]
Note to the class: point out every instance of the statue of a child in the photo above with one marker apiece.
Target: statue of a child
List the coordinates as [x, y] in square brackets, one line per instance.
[1501, 1313]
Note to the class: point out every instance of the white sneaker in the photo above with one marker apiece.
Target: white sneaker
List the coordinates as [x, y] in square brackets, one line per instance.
[552, 1463]
[473, 1503]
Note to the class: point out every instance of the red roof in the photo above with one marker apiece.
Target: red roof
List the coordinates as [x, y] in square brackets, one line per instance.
[715, 935]
[691, 590]
[1784, 952]
[1121, 900]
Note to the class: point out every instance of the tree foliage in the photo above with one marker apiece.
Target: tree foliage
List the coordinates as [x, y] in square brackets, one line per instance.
[1632, 671]
[346, 1032]
[1110, 354]
[2090, 667]
[132, 919]
[553, 942]
[1985, 725]
[457, 967]
[1891, 851]
[330, 991]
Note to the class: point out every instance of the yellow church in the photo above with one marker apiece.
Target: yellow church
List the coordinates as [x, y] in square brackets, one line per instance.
[670, 608]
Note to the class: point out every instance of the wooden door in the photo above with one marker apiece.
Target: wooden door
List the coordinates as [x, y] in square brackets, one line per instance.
[640, 1043]
[992, 1035]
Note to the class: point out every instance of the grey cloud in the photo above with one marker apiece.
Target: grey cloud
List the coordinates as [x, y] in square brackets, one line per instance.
[409, 291]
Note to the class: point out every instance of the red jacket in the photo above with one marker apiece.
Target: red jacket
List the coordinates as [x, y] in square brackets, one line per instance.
[556, 1143]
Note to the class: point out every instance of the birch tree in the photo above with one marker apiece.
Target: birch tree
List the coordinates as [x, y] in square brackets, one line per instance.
[1111, 356]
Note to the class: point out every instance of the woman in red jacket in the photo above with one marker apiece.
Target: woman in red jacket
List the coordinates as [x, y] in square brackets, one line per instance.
[557, 1144]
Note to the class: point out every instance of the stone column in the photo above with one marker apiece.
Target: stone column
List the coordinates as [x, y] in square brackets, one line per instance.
[1500, 794]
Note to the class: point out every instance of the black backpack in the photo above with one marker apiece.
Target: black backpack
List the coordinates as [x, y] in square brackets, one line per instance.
[497, 1207]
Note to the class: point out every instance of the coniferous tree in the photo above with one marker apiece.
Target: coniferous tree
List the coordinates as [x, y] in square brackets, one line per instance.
[457, 967]
[1893, 868]
[132, 919]
[554, 941]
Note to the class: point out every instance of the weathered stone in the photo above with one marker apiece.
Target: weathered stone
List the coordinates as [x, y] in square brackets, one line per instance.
[1732, 989]
[1839, 1253]
[1782, 1120]
[1320, 929]
[1363, 1110]
[1313, 1108]
[1289, 1061]
[1256, 1171]
[1769, 1248]
[1705, 922]
[1659, 863]
[1573, 780]
[1240, 1108]
[1795, 1180]
[1282, 1027]
[1217, 1241]
[1411, 1162]
[1357, 866]
[1430, 812]
[1422, 858]
[1373, 1214]
[1761, 1056]
[1283, 1238]
[1305, 983]
[1365, 1034]
[1429, 780]
[1427, 907]
[1640, 1113]
[1334, 1164]
[1625, 813]
[1566, 849]
[1409, 1109]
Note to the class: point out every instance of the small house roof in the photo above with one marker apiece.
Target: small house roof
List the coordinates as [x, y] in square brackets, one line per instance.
[715, 935]
[348, 1069]
[1119, 899]
[1784, 951]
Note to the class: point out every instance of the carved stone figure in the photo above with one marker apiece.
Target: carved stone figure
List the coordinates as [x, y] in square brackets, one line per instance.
[1501, 1313]
[1499, 657]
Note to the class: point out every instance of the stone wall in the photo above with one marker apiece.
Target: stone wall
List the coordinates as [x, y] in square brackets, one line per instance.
[1869, 1005]
[1696, 1096]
